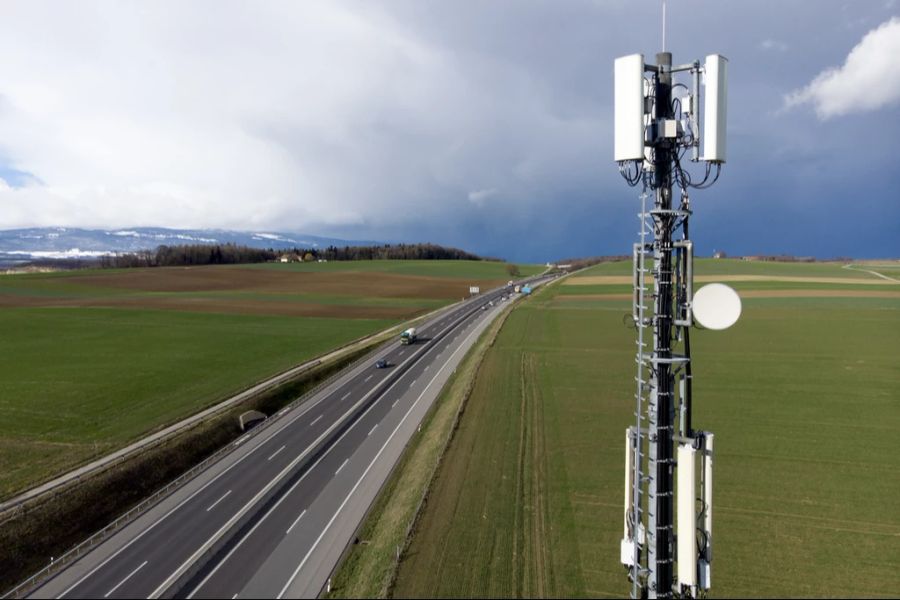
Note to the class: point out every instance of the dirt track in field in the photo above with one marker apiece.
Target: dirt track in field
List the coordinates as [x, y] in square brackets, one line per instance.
[626, 279]
[169, 283]
[761, 294]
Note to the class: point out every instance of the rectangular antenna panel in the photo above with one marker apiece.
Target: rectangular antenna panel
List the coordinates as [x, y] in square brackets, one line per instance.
[708, 492]
[627, 545]
[629, 477]
[629, 108]
[715, 108]
[687, 515]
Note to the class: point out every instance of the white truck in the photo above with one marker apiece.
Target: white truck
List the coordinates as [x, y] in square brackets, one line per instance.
[408, 336]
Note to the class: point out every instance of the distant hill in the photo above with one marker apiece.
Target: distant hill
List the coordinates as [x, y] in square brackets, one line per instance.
[23, 245]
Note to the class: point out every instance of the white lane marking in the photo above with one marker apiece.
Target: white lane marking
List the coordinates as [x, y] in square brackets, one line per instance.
[297, 520]
[413, 383]
[426, 367]
[316, 420]
[127, 577]
[395, 402]
[401, 353]
[367, 379]
[359, 481]
[275, 453]
[371, 431]
[233, 597]
[345, 396]
[346, 460]
[213, 505]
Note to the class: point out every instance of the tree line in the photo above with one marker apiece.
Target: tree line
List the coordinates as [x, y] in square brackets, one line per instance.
[230, 254]
[573, 264]
[395, 252]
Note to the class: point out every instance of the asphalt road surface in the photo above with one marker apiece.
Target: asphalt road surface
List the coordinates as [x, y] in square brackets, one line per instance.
[272, 518]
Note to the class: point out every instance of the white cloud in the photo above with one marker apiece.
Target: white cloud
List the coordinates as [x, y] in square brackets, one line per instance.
[478, 197]
[770, 44]
[868, 80]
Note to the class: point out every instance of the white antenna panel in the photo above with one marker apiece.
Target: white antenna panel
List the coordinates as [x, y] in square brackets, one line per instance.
[687, 515]
[629, 108]
[715, 108]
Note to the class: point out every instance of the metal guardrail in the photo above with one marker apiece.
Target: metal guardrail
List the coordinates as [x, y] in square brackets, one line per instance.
[11, 510]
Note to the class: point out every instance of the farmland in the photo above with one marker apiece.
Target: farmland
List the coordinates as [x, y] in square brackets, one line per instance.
[801, 394]
[94, 359]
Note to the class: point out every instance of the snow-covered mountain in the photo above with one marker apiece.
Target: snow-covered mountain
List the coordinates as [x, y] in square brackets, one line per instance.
[20, 245]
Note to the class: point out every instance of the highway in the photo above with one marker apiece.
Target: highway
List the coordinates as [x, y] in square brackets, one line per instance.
[272, 518]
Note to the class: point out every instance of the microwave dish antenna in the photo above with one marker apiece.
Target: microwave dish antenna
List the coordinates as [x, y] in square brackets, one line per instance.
[716, 306]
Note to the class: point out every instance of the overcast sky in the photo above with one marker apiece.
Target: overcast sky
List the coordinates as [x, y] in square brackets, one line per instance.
[484, 125]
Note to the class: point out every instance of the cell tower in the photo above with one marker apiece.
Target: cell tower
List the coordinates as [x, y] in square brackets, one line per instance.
[667, 541]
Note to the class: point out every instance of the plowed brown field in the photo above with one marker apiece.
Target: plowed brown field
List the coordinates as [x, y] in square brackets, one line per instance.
[237, 290]
[220, 279]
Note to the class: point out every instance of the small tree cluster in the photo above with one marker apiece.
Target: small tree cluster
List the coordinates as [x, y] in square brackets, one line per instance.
[189, 254]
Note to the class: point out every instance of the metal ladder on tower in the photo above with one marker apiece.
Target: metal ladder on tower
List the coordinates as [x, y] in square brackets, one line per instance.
[635, 534]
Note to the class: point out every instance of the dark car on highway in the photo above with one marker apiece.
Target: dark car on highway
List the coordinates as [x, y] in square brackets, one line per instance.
[381, 364]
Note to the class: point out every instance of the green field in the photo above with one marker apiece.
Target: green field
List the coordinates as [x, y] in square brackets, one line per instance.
[732, 266]
[801, 394]
[77, 382]
[93, 359]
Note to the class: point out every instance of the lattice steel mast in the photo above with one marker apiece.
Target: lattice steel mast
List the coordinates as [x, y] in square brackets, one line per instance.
[654, 129]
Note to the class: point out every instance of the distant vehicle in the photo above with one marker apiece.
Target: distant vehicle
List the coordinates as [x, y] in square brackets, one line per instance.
[509, 283]
[526, 290]
[517, 289]
[381, 364]
[408, 336]
[484, 307]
